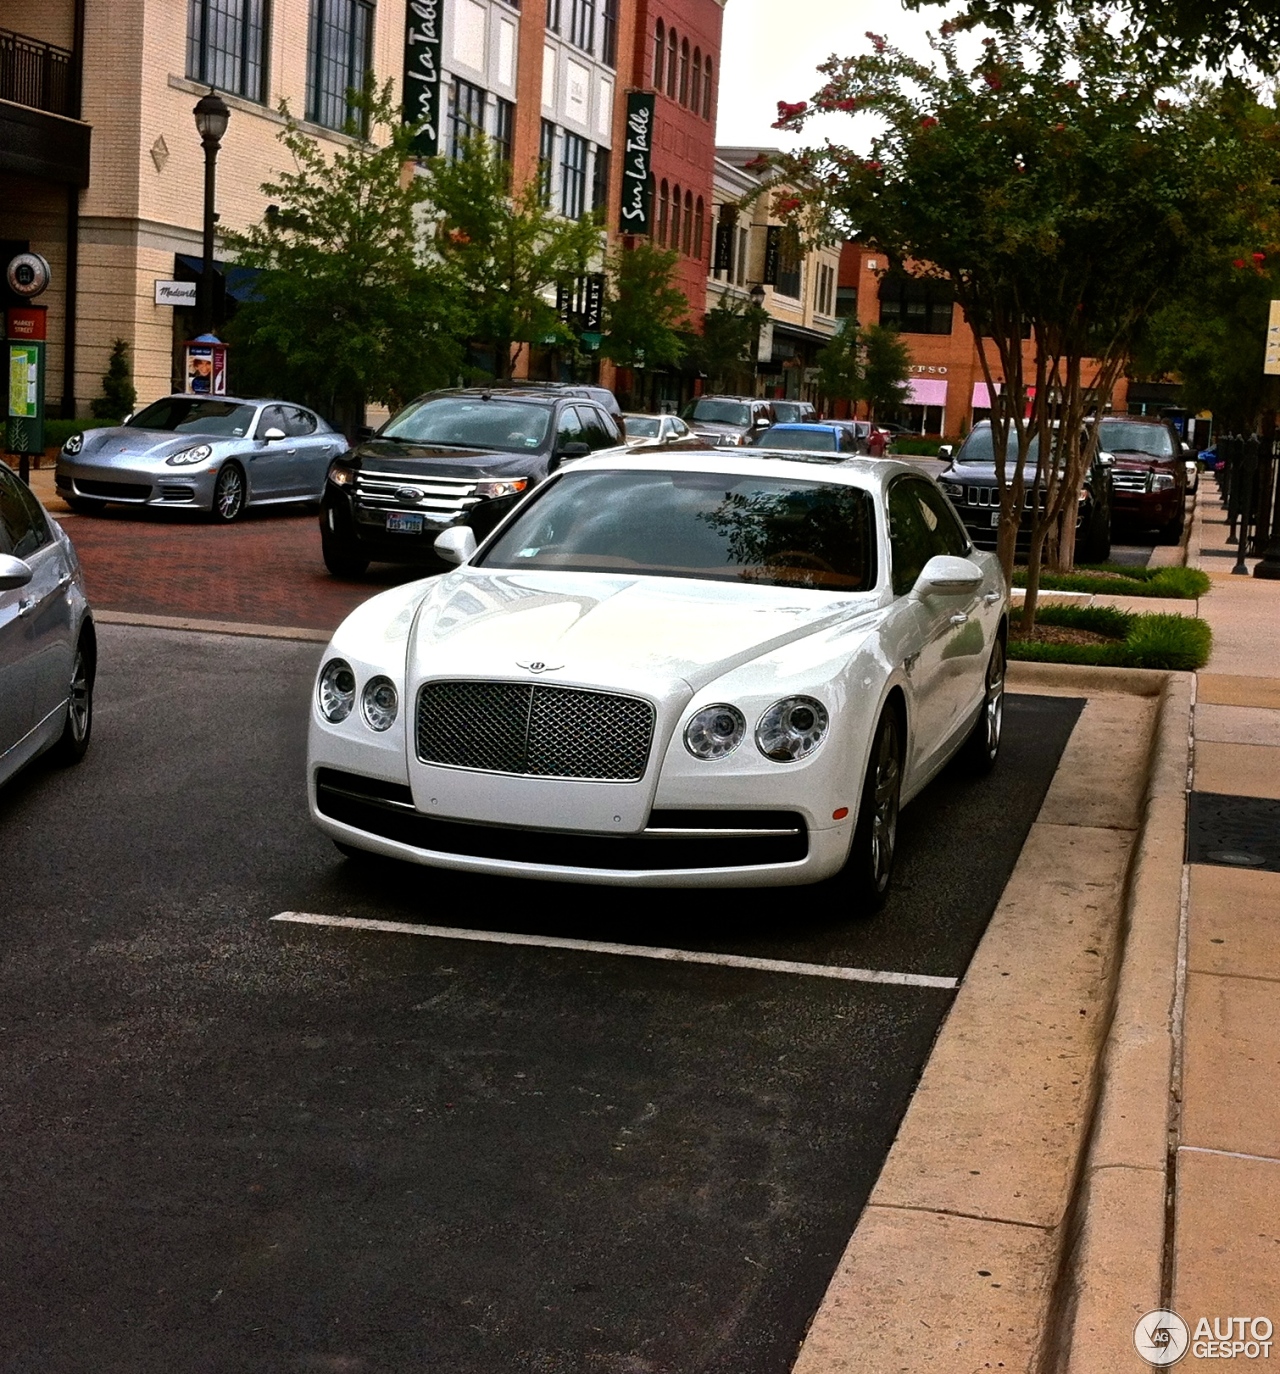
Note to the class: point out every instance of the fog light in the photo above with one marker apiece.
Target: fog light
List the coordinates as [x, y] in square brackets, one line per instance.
[715, 732]
[791, 729]
[379, 703]
[336, 690]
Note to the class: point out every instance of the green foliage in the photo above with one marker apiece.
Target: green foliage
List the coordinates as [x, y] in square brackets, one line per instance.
[349, 308]
[1117, 579]
[839, 364]
[504, 252]
[870, 365]
[725, 348]
[1180, 643]
[118, 393]
[57, 432]
[920, 448]
[643, 310]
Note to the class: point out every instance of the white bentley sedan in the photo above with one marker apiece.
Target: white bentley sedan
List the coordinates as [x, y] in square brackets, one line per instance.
[684, 669]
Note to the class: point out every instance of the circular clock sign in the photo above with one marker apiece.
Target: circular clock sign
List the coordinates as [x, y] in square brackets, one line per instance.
[27, 274]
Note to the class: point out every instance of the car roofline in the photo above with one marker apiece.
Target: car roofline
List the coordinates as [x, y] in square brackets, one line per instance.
[851, 470]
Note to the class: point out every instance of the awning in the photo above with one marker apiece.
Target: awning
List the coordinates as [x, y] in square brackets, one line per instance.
[927, 391]
[982, 396]
[240, 282]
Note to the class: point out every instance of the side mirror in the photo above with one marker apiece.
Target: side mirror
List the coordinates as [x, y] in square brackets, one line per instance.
[13, 573]
[944, 451]
[127, 418]
[272, 434]
[760, 422]
[456, 544]
[364, 433]
[575, 450]
[1105, 460]
[945, 575]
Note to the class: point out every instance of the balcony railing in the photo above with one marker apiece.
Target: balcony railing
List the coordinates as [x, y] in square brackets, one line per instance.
[35, 74]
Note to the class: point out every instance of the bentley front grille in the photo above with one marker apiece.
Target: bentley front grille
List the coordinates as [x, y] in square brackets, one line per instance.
[534, 729]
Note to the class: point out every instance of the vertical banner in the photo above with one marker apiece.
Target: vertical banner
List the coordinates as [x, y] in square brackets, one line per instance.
[422, 24]
[723, 261]
[1271, 360]
[772, 253]
[593, 303]
[637, 156]
[25, 409]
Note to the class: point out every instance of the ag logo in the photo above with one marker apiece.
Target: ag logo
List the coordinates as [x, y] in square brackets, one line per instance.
[537, 666]
[1161, 1338]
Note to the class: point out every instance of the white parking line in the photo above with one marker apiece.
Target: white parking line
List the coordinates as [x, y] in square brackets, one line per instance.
[679, 956]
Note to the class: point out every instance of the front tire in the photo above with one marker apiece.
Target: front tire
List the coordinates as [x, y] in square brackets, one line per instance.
[869, 868]
[74, 740]
[230, 494]
[981, 750]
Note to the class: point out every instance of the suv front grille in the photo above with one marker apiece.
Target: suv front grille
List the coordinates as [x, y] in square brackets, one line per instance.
[448, 496]
[535, 730]
[1125, 479]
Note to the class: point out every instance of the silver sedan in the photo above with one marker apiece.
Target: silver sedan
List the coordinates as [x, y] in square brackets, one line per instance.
[47, 647]
[660, 431]
[218, 454]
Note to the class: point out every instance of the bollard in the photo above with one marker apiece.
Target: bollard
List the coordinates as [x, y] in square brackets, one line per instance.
[1269, 566]
[1244, 485]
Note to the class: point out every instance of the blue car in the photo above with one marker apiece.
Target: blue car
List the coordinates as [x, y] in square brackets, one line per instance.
[835, 437]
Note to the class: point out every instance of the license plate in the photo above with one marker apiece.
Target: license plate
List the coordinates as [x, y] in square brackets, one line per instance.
[401, 522]
[995, 519]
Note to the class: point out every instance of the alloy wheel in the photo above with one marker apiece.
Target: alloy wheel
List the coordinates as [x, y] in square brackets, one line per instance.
[993, 708]
[78, 707]
[228, 495]
[884, 817]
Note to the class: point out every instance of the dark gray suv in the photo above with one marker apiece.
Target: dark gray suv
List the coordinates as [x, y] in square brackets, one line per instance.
[728, 420]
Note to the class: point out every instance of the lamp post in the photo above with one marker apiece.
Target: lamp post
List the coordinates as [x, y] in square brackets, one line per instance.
[757, 300]
[211, 114]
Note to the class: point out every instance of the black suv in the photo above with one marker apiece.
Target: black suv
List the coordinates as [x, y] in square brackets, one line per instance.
[452, 458]
[971, 484]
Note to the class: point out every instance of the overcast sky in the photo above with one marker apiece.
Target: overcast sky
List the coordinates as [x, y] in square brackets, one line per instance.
[770, 51]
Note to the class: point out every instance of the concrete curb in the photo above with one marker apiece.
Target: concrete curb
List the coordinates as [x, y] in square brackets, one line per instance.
[1113, 1264]
[1084, 679]
[212, 627]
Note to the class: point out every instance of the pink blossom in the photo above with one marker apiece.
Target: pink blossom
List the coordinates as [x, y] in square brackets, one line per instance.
[1258, 258]
[928, 122]
[993, 81]
[1238, 264]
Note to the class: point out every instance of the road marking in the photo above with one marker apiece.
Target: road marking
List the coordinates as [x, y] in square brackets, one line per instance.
[678, 956]
[1226, 1154]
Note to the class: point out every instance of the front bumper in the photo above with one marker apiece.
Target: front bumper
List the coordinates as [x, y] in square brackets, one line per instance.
[365, 528]
[156, 484]
[1147, 508]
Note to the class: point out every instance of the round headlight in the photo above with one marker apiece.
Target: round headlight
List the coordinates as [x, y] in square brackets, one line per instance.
[791, 729]
[378, 703]
[189, 455]
[75, 442]
[336, 690]
[715, 732]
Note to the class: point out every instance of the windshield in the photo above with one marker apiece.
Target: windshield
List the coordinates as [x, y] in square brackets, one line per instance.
[1121, 436]
[978, 447]
[725, 527]
[191, 415]
[715, 412]
[642, 426]
[470, 422]
[811, 440]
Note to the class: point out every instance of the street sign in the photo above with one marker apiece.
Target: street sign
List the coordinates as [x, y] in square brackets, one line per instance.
[176, 293]
[636, 199]
[1271, 361]
[24, 427]
[422, 35]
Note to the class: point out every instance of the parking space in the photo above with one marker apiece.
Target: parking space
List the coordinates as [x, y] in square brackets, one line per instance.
[234, 1143]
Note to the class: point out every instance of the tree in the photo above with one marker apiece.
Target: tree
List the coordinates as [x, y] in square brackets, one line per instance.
[725, 350]
[1061, 193]
[118, 394]
[643, 310]
[870, 365]
[349, 307]
[506, 251]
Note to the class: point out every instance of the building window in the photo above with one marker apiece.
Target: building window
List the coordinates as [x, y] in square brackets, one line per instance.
[337, 59]
[706, 90]
[609, 33]
[788, 282]
[504, 118]
[846, 302]
[695, 87]
[582, 24]
[663, 198]
[466, 114]
[688, 222]
[573, 176]
[673, 57]
[225, 40]
[743, 242]
[699, 215]
[684, 72]
[553, 15]
[916, 305]
[600, 180]
[675, 218]
[546, 161]
[659, 51]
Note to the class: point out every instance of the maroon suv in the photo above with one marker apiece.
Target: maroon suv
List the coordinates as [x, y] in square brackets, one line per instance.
[1149, 476]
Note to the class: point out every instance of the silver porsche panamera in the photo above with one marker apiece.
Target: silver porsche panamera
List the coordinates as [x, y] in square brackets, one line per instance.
[213, 453]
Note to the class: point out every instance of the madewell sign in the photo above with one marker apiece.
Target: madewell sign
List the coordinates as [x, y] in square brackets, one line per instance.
[175, 293]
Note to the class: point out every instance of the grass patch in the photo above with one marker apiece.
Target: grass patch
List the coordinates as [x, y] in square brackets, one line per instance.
[916, 448]
[1178, 642]
[1116, 579]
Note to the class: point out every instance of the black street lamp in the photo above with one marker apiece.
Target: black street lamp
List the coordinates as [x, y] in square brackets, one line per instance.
[211, 114]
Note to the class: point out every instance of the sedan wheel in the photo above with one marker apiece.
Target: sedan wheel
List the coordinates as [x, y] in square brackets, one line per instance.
[228, 494]
[875, 841]
[74, 740]
[982, 748]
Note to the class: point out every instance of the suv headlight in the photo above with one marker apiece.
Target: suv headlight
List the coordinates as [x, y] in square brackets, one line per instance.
[492, 489]
[379, 703]
[715, 732]
[952, 488]
[75, 442]
[190, 455]
[336, 690]
[1163, 481]
[343, 477]
[792, 729]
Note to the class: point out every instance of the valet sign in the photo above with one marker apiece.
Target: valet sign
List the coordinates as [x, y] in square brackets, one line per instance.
[637, 155]
[422, 73]
[1163, 1338]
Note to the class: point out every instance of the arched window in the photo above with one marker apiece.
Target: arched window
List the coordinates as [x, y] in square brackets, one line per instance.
[662, 214]
[695, 90]
[659, 46]
[675, 218]
[684, 72]
[706, 91]
[673, 48]
[688, 221]
[698, 215]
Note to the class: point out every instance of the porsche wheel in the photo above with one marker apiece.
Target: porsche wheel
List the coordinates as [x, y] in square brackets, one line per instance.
[228, 494]
[869, 869]
[982, 748]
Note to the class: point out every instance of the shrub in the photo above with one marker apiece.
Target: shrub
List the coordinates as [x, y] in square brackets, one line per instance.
[1180, 643]
[1185, 584]
[118, 394]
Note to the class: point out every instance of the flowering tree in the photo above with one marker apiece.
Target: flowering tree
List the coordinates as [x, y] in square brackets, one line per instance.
[1064, 198]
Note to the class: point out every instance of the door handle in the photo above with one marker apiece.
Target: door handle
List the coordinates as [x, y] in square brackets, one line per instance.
[991, 597]
[958, 619]
[26, 607]
[64, 581]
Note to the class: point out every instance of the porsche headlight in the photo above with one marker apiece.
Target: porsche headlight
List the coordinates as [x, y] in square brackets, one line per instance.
[190, 455]
[492, 489]
[75, 442]
[715, 732]
[792, 729]
[336, 690]
[379, 703]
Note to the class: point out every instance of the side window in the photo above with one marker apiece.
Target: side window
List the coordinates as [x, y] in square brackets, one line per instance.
[949, 533]
[570, 429]
[911, 542]
[611, 427]
[272, 417]
[23, 528]
[679, 428]
[301, 422]
[592, 426]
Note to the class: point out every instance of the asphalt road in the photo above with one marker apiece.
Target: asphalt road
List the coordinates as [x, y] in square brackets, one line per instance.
[236, 1145]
